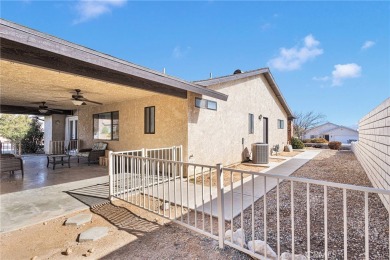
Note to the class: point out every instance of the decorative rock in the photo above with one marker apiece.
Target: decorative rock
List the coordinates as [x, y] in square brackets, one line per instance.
[68, 251]
[34, 258]
[45, 223]
[238, 236]
[91, 250]
[288, 256]
[93, 234]
[78, 220]
[288, 148]
[259, 248]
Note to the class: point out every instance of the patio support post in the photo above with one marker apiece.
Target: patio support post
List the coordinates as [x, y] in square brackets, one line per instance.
[221, 206]
[110, 174]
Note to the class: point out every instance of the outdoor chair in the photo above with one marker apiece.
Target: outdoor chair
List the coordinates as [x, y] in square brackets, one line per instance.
[275, 149]
[92, 154]
[11, 163]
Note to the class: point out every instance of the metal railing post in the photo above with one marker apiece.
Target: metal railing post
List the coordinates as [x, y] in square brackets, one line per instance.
[110, 174]
[221, 206]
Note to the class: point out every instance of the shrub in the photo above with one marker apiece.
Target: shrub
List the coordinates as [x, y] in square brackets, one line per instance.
[319, 140]
[317, 146]
[296, 143]
[305, 141]
[334, 145]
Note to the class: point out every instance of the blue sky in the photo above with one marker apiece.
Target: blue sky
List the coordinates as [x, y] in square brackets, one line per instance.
[329, 57]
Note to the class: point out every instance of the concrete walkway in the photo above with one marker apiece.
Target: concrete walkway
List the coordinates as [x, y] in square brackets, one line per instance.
[194, 200]
[25, 208]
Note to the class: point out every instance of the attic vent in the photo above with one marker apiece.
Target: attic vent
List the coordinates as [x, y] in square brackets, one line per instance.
[237, 71]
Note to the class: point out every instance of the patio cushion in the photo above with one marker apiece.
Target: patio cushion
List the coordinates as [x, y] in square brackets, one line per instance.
[85, 154]
[99, 146]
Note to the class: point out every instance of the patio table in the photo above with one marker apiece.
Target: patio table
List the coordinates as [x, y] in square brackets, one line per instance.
[53, 159]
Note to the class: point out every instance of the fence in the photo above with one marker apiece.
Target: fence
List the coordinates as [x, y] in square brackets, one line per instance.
[10, 147]
[316, 218]
[63, 146]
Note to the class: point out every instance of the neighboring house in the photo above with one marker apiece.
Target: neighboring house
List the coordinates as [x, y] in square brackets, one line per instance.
[332, 132]
[213, 120]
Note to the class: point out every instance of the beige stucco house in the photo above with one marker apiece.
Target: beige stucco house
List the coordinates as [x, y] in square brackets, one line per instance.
[131, 107]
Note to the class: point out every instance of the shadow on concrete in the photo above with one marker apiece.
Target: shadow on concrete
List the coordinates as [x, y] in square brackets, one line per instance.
[97, 198]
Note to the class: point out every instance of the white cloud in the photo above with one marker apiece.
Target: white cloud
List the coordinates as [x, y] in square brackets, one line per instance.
[295, 57]
[345, 71]
[178, 52]
[367, 45]
[325, 78]
[89, 9]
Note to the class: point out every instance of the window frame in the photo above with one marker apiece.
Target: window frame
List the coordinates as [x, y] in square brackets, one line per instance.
[251, 123]
[280, 124]
[114, 127]
[205, 104]
[149, 121]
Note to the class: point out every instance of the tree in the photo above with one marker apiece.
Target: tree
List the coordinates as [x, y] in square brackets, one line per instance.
[32, 142]
[305, 121]
[14, 127]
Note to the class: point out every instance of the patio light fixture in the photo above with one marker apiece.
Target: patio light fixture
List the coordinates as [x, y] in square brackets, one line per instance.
[77, 102]
[43, 111]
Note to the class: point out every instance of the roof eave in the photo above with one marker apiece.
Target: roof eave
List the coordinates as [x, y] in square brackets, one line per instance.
[33, 38]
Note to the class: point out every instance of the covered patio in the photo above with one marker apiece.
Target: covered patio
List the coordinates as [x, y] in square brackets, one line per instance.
[37, 175]
[41, 74]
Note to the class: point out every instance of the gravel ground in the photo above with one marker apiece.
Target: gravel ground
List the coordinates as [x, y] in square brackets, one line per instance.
[334, 166]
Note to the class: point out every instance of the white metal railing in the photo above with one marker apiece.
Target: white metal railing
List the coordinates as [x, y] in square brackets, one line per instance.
[10, 147]
[64, 146]
[174, 153]
[287, 213]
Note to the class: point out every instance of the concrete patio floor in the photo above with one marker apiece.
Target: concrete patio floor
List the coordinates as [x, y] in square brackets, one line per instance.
[37, 175]
[29, 207]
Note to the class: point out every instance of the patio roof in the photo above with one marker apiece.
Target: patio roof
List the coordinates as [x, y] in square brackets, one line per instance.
[38, 67]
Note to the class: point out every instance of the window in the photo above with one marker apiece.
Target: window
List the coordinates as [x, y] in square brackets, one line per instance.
[204, 103]
[149, 120]
[251, 127]
[280, 124]
[106, 126]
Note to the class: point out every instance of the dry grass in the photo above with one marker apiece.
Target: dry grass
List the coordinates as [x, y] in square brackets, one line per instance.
[289, 154]
[208, 180]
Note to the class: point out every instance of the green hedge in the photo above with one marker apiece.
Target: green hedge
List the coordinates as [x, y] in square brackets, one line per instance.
[297, 143]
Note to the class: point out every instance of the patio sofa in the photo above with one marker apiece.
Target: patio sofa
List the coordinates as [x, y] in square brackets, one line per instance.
[92, 154]
[11, 163]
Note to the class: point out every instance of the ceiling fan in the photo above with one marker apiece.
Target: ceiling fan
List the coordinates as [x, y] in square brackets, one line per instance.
[43, 109]
[79, 100]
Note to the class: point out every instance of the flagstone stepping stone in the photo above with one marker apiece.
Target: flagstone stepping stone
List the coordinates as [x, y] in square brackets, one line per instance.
[78, 220]
[93, 234]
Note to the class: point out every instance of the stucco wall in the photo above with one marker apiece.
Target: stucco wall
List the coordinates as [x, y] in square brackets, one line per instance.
[373, 147]
[216, 136]
[170, 123]
[54, 128]
[343, 135]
